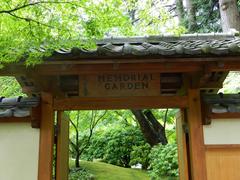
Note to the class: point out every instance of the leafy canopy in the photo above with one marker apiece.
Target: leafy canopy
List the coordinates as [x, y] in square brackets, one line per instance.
[33, 29]
[9, 87]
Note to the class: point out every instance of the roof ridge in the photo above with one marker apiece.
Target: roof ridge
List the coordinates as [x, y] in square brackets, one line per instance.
[168, 38]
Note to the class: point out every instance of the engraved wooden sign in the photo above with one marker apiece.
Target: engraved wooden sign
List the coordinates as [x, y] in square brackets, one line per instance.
[119, 84]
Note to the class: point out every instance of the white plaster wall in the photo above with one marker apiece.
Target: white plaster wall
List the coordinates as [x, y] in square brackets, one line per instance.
[19, 147]
[222, 131]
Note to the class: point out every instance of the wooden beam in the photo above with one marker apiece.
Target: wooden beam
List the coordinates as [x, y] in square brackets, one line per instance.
[62, 162]
[224, 66]
[177, 64]
[211, 85]
[196, 142]
[45, 163]
[133, 59]
[108, 68]
[120, 103]
[71, 69]
[140, 59]
[15, 119]
[36, 117]
[227, 115]
[222, 146]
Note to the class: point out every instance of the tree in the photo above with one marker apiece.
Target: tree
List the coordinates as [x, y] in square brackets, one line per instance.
[157, 125]
[230, 17]
[33, 29]
[80, 141]
[209, 16]
[180, 11]
[153, 131]
[191, 14]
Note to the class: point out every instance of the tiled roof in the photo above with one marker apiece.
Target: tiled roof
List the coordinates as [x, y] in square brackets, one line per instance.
[221, 103]
[185, 45]
[17, 107]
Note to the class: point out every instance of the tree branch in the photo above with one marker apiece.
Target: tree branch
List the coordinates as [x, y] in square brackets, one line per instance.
[125, 119]
[34, 4]
[30, 20]
[165, 118]
[92, 126]
[75, 127]
[73, 145]
[96, 122]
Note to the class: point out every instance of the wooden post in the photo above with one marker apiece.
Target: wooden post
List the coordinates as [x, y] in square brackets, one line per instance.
[62, 164]
[196, 142]
[182, 146]
[45, 163]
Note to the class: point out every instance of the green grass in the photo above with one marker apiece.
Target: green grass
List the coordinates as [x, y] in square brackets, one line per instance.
[104, 171]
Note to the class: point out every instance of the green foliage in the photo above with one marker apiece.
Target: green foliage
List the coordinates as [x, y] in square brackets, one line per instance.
[120, 145]
[231, 83]
[26, 26]
[80, 174]
[96, 150]
[84, 124]
[150, 17]
[115, 145]
[140, 155]
[82, 128]
[207, 16]
[84, 119]
[116, 139]
[163, 161]
[32, 30]
[9, 87]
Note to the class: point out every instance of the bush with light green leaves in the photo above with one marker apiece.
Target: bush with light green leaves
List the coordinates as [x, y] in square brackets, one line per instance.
[164, 161]
[140, 155]
[115, 146]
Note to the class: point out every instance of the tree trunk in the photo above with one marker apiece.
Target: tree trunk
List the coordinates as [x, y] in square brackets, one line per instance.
[145, 127]
[159, 129]
[191, 13]
[77, 164]
[152, 130]
[230, 17]
[180, 11]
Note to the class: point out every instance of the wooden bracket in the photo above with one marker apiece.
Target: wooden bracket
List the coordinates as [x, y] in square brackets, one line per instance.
[206, 113]
[36, 117]
[192, 79]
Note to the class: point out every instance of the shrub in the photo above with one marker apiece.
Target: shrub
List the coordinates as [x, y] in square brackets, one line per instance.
[121, 144]
[115, 145]
[140, 155]
[80, 174]
[96, 148]
[163, 161]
